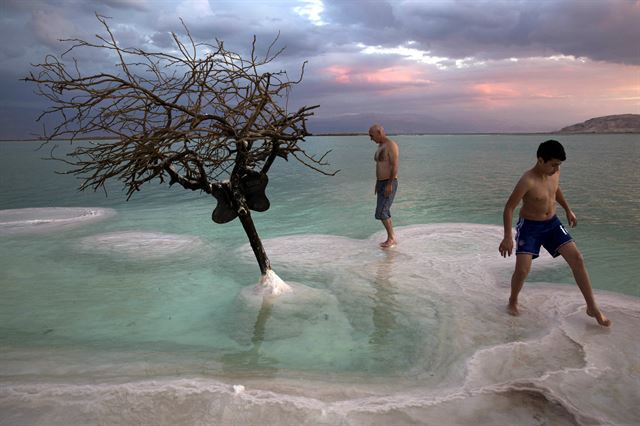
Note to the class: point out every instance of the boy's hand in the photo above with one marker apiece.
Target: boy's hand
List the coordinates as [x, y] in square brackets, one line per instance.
[506, 246]
[572, 219]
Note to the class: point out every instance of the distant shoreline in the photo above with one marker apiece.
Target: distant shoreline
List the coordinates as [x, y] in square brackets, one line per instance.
[390, 134]
[479, 133]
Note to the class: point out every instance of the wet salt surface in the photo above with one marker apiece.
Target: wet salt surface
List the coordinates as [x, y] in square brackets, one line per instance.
[141, 245]
[553, 351]
[48, 219]
[432, 309]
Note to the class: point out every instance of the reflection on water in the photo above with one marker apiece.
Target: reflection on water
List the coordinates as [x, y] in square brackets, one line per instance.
[261, 321]
[384, 302]
[253, 358]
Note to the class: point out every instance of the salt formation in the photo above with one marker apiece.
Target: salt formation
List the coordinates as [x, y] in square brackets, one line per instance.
[413, 335]
[141, 245]
[271, 284]
[47, 219]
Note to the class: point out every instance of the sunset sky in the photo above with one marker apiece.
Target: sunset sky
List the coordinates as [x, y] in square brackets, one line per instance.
[415, 66]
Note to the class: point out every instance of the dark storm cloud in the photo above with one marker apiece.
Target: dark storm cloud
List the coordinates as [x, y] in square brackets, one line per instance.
[604, 30]
[368, 14]
[330, 36]
[237, 28]
[141, 5]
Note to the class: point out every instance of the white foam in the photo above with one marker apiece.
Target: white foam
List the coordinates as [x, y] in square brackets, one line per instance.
[47, 219]
[141, 245]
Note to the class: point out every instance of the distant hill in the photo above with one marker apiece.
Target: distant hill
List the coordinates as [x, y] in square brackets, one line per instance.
[393, 123]
[622, 123]
[405, 123]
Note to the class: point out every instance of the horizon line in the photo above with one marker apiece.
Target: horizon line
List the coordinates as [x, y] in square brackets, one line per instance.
[44, 140]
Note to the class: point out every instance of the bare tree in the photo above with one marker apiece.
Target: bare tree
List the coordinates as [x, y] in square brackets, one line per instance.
[202, 117]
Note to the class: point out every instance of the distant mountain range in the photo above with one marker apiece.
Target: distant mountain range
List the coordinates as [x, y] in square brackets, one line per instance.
[622, 123]
[394, 123]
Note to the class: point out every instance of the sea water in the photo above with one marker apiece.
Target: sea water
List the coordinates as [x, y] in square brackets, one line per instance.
[145, 312]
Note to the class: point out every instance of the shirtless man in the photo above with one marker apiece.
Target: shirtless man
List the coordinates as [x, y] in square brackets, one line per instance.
[539, 189]
[386, 158]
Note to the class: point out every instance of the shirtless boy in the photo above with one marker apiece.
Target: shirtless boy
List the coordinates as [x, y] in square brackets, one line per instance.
[386, 158]
[539, 189]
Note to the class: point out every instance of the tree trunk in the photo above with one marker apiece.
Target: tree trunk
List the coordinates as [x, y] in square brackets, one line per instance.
[256, 242]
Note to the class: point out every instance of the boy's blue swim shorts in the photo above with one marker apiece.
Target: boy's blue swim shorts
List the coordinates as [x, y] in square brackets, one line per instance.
[531, 234]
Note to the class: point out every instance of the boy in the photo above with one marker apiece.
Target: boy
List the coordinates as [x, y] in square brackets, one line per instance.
[539, 189]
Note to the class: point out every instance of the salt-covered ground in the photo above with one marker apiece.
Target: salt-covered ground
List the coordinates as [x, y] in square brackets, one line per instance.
[47, 219]
[418, 334]
[141, 245]
[451, 279]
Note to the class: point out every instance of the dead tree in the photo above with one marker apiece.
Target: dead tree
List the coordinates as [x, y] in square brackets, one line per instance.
[201, 116]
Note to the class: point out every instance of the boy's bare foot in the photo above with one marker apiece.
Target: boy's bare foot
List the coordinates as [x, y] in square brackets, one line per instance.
[388, 244]
[512, 308]
[599, 316]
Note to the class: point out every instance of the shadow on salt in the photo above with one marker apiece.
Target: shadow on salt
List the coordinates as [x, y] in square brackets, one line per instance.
[447, 284]
[143, 245]
[49, 219]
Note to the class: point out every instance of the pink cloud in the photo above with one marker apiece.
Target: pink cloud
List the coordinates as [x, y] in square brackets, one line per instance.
[397, 74]
[340, 74]
[496, 90]
[382, 78]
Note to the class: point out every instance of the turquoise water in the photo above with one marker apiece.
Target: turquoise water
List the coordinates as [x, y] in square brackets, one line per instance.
[150, 305]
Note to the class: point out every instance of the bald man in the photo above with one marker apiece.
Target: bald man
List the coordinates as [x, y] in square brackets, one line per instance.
[386, 158]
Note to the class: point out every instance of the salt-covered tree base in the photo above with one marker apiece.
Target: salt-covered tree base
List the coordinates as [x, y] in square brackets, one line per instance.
[271, 284]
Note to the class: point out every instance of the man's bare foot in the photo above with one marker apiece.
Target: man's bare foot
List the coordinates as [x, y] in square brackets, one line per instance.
[599, 316]
[512, 308]
[388, 244]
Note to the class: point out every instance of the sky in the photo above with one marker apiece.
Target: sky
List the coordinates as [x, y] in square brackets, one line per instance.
[412, 65]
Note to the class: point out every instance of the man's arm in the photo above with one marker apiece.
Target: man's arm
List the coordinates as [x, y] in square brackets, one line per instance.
[393, 167]
[571, 217]
[506, 246]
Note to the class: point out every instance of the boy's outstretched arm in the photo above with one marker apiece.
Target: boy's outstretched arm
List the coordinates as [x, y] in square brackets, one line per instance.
[506, 246]
[571, 217]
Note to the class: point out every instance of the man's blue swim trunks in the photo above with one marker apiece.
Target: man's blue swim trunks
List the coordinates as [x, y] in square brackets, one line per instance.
[531, 234]
[383, 205]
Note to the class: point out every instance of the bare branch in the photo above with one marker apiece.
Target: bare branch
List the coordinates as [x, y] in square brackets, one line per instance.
[195, 116]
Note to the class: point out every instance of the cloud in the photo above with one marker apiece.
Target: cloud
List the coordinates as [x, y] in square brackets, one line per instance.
[141, 5]
[606, 31]
[602, 30]
[312, 10]
[368, 14]
[462, 61]
[50, 26]
[379, 79]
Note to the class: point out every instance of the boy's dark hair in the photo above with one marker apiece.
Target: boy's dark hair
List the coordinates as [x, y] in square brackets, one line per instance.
[551, 149]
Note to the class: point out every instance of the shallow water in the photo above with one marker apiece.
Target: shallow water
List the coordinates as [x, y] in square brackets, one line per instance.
[145, 313]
